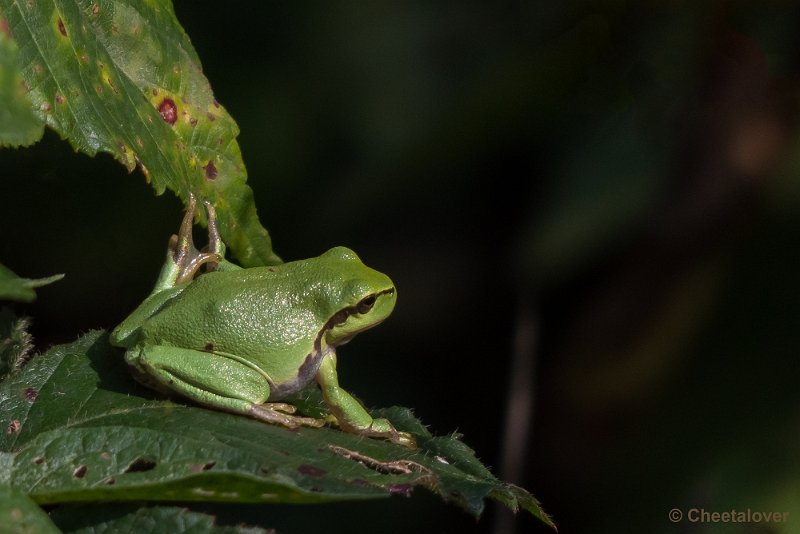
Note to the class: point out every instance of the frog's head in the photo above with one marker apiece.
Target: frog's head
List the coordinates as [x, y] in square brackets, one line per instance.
[367, 297]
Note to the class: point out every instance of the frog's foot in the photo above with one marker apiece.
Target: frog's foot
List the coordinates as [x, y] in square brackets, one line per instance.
[276, 413]
[378, 428]
[382, 428]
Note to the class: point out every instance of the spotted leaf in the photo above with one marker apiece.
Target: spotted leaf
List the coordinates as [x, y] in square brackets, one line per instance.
[123, 78]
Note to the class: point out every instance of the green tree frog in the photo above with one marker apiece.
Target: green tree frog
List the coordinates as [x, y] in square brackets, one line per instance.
[242, 340]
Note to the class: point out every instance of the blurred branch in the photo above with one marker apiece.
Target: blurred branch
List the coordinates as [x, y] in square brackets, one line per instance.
[520, 404]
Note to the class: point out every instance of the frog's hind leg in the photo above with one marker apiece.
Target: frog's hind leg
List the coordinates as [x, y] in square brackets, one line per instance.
[215, 381]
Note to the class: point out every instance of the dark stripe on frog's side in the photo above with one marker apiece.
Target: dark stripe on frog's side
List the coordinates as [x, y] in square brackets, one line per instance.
[308, 370]
[305, 374]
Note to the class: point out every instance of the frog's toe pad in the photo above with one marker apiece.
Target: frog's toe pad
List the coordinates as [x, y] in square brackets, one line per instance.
[405, 439]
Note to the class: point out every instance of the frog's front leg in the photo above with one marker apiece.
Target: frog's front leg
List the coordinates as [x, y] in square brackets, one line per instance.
[349, 413]
[213, 379]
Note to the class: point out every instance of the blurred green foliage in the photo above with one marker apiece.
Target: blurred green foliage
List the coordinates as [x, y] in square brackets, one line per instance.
[627, 171]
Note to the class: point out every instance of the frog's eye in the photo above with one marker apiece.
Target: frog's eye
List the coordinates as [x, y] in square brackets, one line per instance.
[365, 305]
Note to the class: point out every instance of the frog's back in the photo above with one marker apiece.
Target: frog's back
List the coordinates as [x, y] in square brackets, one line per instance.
[272, 314]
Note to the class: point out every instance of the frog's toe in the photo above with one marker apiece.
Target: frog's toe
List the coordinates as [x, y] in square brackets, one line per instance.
[309, 421]
[282, 407]
[268, 414]
[383, 429]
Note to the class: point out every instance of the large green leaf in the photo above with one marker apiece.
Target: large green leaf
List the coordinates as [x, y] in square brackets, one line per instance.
[123, 78]
[80, 430]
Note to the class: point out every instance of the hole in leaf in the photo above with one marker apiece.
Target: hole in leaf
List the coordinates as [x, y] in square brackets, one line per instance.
[38, 460]
[13, 427]
[140, 465]
[400, 489]
[80, 472]
[198, 468]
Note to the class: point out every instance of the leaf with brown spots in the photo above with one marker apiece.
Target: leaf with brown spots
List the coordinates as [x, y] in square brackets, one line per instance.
[123, 78]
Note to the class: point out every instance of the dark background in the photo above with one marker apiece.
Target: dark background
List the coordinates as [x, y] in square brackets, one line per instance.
[617, 186]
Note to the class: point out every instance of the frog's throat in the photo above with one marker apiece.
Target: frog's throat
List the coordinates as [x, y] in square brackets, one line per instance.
[307, 370]
[306, 373]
